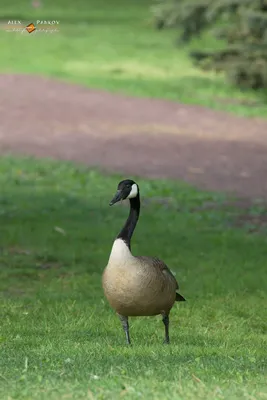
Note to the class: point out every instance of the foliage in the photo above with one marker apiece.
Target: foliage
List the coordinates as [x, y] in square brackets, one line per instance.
[241, 24]
[59, 338]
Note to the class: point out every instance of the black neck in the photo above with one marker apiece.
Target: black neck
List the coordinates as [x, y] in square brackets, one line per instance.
[128, 229]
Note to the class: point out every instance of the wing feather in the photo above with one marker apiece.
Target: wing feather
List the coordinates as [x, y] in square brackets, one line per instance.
[155, 262]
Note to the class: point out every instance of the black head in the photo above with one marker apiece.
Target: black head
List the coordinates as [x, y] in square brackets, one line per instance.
[127, 189]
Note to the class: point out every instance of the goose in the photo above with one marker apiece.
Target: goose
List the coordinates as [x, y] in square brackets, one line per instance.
[136, 286]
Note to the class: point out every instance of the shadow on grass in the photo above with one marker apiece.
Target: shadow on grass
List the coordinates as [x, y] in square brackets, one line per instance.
[222, 92]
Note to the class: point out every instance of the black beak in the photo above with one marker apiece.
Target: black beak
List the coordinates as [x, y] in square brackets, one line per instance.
[116, 198]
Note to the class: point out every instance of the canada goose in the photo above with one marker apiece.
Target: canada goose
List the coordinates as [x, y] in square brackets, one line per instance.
[137, 286]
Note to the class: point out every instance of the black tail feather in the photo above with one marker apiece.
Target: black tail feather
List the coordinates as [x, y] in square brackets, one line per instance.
[179, 297]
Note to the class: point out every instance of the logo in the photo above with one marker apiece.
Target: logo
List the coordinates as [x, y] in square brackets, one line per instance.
[30, 28]
[36, 27]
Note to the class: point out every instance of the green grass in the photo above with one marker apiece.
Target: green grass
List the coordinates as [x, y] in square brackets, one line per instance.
[113, 45]
[59, 338]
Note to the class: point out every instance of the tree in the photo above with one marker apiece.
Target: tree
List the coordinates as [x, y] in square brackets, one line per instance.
[242, 24]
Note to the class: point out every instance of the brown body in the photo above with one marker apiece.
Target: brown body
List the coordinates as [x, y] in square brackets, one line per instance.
[138, 286]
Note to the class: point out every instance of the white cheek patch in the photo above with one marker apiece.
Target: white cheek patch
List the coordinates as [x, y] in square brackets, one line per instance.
[133, 193]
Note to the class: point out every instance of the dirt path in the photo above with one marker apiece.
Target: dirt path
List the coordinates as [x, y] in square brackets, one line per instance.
[145, 137]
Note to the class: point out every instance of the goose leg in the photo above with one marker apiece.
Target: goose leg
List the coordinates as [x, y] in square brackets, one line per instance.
[165, 320]
[125, 325]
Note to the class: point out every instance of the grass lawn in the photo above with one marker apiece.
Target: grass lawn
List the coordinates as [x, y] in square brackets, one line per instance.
[113, 45]
[60, 340]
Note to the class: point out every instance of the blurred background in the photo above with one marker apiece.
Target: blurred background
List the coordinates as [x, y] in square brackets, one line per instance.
[168, 49]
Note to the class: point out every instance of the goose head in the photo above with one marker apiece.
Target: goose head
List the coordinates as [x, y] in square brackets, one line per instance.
[127, 189]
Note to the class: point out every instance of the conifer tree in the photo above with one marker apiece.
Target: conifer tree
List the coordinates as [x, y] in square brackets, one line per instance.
[242, 24]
